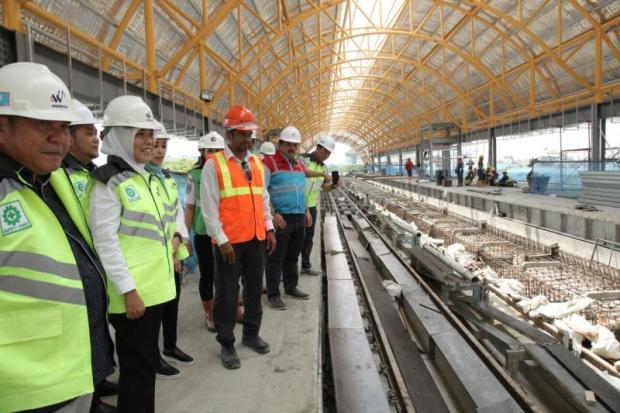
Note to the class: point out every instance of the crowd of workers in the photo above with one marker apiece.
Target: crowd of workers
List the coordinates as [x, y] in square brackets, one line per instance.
[82, 247]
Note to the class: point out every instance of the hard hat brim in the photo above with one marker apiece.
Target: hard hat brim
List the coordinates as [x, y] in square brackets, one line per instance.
[84, 122]
[52, 115]
[139, 125]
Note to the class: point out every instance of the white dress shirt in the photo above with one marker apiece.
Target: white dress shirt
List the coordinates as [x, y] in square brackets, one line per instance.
[210, 199]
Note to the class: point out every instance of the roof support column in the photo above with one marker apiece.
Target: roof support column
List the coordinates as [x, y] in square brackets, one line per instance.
[492, 149]
[149, 39]
[400, 161]
[597, 137]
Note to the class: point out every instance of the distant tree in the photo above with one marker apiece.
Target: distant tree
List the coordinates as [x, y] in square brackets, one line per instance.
[182, 165]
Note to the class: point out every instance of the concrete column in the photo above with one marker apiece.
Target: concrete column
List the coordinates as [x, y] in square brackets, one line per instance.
[492, 161]
[418, 154]
[400, 161]
[446, 162]
[597, 144]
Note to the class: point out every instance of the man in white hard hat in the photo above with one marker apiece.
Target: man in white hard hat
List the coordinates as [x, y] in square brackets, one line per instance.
[286, 179]
[208, 144]
[130, 219]
[56, 343]
[267, 149]
[315, 162]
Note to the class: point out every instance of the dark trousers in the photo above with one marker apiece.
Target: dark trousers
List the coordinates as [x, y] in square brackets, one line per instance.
[282, 264]
[249, 264]
[459, 177]
[204, 252]
[136, 346]
[169, 317]
[306, 248]
[409, 172]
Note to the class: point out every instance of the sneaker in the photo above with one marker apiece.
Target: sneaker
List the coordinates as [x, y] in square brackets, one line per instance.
[257, 344]
[309, 271]
[179, 357]
[166, 371]
[277, 303]
[229, 357]
[297, 294]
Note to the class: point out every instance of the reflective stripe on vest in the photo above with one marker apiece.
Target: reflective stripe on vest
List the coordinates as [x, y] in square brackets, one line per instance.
[144, 239]
[241, 202]
[198, 223]
[44, 334]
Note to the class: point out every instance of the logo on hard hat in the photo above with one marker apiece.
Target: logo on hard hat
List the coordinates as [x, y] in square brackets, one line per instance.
[149, 116]
[213, 139]
[57, 99]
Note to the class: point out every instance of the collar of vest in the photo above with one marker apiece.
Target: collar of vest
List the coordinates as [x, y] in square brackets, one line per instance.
[71, 162]
[115, 165]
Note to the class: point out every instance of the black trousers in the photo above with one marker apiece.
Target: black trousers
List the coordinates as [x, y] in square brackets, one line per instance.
[306, 248]
[249, 264]
[136, 346]
[170, 315]
[282, 264]
[204, 252]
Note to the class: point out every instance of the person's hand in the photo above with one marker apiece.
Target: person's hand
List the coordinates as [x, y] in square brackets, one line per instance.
[308, 219]
[178, 266]
[278, 221]
[190, 247]
[134, 305]
[271, 242]
[228, 253]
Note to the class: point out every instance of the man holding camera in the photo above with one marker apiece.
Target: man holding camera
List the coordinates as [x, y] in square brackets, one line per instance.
[314, 162]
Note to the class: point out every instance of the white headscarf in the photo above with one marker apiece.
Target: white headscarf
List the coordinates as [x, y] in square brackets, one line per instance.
[119, 142]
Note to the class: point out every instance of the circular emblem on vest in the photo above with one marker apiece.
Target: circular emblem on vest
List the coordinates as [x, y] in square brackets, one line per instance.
[11, 215]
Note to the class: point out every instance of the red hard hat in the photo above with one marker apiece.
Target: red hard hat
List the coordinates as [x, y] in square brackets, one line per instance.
[240, 118]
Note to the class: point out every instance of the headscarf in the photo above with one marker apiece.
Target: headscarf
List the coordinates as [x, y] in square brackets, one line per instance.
[119, 142]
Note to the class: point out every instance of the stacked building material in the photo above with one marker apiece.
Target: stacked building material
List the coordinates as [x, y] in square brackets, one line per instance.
[600, 188]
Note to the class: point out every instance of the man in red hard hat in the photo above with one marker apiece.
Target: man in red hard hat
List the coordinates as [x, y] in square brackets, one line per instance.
[235, 207]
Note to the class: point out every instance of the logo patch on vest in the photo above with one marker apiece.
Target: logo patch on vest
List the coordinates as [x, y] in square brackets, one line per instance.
[132, 194]
[80, 189]
[13, 218]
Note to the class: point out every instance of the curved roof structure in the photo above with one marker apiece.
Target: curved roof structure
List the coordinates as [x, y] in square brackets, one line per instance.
[369, 72]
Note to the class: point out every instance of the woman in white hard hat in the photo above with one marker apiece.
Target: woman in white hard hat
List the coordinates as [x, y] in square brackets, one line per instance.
[267, 149]
[179, 235]
[130, 220]
[208, 144]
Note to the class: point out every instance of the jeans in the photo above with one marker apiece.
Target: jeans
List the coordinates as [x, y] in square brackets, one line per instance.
[282, 264]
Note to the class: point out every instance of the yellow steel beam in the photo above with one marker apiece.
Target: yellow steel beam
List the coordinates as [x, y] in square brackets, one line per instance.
[149, 40]
[186, 66]
[12, 14]
[224, 10]
[118, 34]
[112, 11]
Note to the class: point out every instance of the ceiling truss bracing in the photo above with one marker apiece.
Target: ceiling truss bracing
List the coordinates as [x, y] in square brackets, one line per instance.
[370, 72]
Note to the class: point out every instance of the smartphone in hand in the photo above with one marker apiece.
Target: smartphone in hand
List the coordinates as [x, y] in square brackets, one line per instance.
[335, 177]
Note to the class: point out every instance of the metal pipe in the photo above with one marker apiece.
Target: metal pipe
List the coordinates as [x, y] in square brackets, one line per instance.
[29, 39]
[124, 75]
[69, 61]
[100, 61]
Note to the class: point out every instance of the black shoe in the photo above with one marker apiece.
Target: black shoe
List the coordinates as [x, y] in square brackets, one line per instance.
[277, 303]
[107, 388]
[229, 357]
[257, 344]
[101, 407]
[179, 357]
[297, 294]
[309, 271]
[166, 371]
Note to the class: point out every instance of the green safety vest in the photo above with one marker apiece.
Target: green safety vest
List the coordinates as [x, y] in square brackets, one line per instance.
[44, 335]
[198, 223]
[314, 185]
[172, 205]
[147, 218]
[82, 185]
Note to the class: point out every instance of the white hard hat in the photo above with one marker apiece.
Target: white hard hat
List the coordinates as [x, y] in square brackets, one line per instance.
[84, 114]
[268, 148]
[130, 111]
[327, 142]
[161, 132]
[290, 134]
[31, 90]
[211, 140]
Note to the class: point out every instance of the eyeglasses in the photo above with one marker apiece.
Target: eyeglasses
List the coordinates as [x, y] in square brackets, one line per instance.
[246, 169]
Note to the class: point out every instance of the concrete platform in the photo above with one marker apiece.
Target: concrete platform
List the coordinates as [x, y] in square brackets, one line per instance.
[285, 380]
[550, 212]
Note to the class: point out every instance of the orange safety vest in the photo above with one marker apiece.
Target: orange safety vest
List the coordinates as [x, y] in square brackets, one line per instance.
[241, 202]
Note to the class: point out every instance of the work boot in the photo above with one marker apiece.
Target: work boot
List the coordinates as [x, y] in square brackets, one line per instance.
[98, 406]
[277, 303]
[229, 357]
[107, 388]
[297, 294]
[309, 271]
[166, 371]
[177, 356]
[257, 344]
